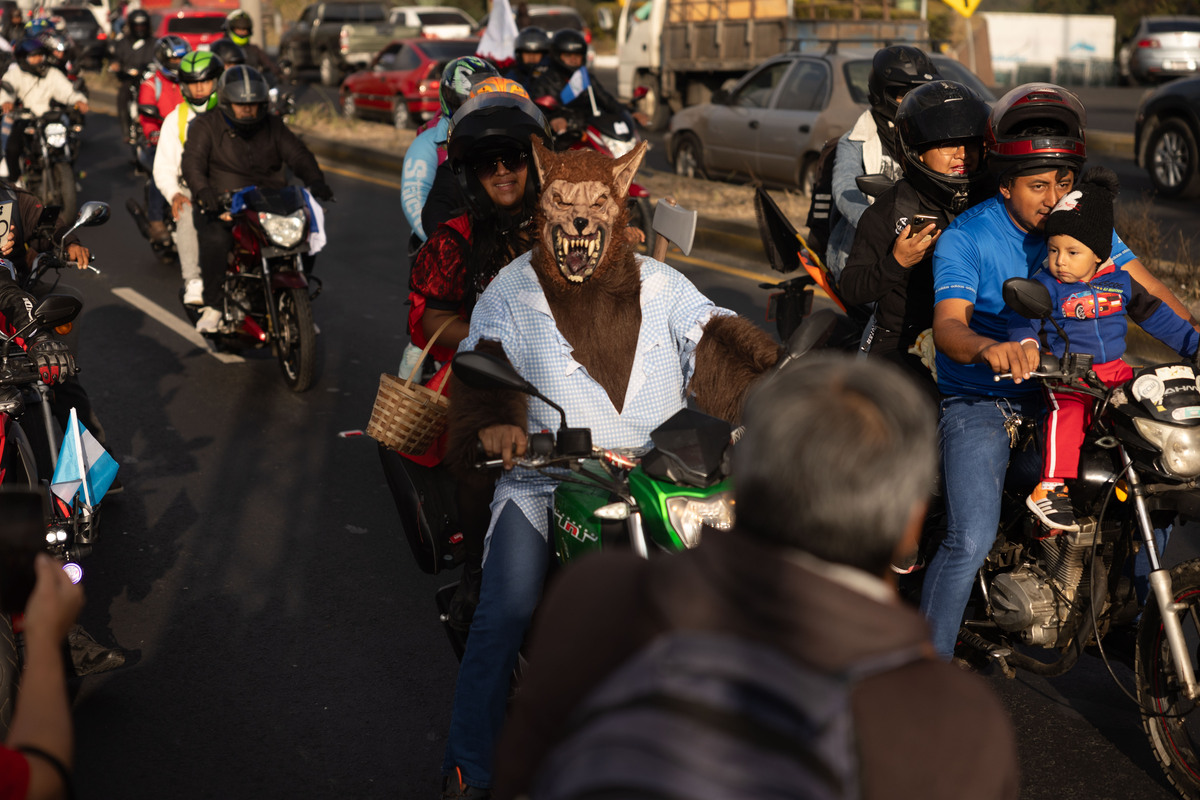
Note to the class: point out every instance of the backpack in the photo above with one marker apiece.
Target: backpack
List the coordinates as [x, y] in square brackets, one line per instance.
[707, 716]
[820, 193]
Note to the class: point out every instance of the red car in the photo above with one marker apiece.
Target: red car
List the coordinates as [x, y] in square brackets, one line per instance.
[401, 82]
[196, 26]
[1082, 305]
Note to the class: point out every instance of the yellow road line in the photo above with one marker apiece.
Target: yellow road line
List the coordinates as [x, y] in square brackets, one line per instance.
[358, 176]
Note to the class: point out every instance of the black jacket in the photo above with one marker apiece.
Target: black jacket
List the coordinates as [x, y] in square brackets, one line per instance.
[26, 238]
[219, 156]
[903, 297]
[554, 79]
[129, 52]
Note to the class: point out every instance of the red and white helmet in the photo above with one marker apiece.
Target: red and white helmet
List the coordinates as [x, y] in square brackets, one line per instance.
[1034, 128]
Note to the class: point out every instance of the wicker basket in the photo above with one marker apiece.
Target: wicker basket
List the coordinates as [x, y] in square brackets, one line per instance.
[408, 416]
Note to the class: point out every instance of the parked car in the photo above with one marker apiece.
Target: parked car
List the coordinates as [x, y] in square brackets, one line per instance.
[435, 22]
[772, 123]
[88, 38]
[198, 27]
[338, 37]
[1165, 132]
[1161, 48]
[401, 83]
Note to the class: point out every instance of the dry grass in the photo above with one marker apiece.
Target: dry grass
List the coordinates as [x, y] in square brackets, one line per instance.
[323, 119]
[1169, 256]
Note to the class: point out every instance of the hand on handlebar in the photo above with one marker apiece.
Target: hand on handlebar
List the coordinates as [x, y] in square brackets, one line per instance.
[504, 441]
[80, 255]
[52, 358]
[1018, 360]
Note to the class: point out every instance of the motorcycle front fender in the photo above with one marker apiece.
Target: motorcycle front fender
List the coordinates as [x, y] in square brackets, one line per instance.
[288, 279]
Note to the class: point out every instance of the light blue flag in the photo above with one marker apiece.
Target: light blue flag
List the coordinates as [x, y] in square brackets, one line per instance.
[84, 466]
[575, 87]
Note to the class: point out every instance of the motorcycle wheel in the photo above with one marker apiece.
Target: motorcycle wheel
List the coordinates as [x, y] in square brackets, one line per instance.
[1173, 730]
[64, 189]
[296, 339]
[641, 216]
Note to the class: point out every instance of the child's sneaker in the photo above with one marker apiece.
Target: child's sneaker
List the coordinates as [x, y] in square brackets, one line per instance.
[1050, 503]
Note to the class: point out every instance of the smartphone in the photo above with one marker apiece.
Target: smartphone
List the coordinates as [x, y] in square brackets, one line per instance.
[920, 222]
[22, 536]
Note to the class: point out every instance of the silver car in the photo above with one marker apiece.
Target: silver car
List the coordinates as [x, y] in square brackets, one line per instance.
[771, 124]
[1162, 48]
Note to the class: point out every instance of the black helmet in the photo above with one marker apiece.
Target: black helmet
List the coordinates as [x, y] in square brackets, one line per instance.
[488, 122]
[1034, 128]
[138, 23]
[230, 54]
[243, 85]
[941, 112]
[532, 40]
[894, 71]
[168, 52]
[240, 20]
[459, 77]
[58, 48]
[568, 40]
[31, 47]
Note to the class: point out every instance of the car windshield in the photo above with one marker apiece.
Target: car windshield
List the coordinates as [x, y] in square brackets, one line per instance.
[1174, 26]
[555, 20]
[74, 14]
[196, 25]
[444, 51]
[442, 18]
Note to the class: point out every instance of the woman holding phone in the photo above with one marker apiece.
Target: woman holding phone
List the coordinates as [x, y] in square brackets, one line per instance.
[941, 127]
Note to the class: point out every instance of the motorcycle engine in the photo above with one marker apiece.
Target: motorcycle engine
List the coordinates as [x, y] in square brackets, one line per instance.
[1034, 600]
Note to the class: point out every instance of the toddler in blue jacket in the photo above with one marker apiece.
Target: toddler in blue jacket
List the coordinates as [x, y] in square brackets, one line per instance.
[1093, 300]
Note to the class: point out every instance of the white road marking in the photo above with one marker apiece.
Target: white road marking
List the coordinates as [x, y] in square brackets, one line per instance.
[172, 321]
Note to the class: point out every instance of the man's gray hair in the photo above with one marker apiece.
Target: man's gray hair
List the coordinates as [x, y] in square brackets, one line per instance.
[836, 454]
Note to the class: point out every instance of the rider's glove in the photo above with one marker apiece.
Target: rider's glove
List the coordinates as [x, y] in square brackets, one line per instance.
[206, 198]
[321, 190]
[52, 358]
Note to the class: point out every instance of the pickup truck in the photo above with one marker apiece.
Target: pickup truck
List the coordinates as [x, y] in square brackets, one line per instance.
[336, 37]
[681, 51]
[435, 22]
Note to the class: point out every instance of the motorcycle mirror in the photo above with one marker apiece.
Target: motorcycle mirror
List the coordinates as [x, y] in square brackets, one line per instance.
[56, 309]
[1028, 298]
[485, 371]
[91, 213]
[874, 185]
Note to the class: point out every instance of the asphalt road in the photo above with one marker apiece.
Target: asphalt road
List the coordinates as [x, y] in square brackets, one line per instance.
[289, 646]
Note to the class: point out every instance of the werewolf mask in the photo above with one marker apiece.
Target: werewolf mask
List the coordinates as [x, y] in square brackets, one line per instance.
[582, 213]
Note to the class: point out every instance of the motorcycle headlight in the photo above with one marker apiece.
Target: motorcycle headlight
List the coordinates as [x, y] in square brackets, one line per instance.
[687, 514]
[285, 231]
[56, 134]
[618, 147]
[1180, 446]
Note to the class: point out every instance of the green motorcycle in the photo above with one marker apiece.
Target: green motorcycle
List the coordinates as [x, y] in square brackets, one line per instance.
[649, 499]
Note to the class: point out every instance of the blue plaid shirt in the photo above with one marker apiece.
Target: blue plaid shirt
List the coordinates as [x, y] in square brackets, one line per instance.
[513, 311]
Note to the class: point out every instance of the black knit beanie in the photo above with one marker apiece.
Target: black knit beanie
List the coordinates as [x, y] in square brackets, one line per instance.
[1086, 212]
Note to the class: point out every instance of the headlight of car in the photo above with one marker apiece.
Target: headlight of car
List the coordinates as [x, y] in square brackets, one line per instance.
[687, 514]
[1180, 446]
[285, 231]
[56, 134]
[618, 147]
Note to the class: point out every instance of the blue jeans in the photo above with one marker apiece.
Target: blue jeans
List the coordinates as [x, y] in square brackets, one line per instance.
[514, 570]
[975, 464]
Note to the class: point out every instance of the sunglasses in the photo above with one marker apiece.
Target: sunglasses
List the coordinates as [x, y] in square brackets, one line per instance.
[515, 161]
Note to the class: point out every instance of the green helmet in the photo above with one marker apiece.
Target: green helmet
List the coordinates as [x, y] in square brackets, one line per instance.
[197, 67]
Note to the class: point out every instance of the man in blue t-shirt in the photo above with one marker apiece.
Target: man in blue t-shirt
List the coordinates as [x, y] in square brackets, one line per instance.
[1036, 148]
